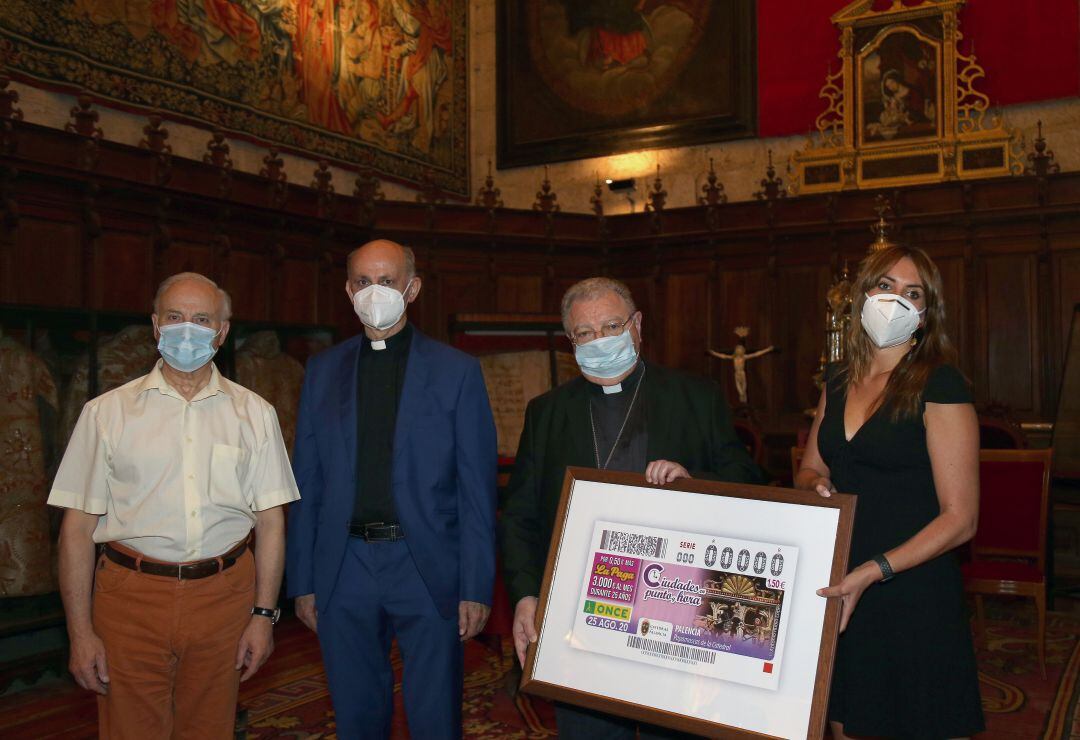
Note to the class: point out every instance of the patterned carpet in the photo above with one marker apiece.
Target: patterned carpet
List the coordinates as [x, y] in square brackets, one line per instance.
[1019, 704]
[289, 698]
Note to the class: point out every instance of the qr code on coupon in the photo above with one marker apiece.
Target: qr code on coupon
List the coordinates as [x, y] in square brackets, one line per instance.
[633, 544]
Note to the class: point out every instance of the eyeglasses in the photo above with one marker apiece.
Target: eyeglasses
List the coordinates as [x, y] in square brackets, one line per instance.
[611, 328]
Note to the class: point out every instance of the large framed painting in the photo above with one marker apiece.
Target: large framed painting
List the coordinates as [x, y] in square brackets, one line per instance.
[581, 79]
[382, 83]
[692, 605]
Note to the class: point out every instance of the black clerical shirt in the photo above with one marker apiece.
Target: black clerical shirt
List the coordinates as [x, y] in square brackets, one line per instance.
[380, 377]
[608, 411]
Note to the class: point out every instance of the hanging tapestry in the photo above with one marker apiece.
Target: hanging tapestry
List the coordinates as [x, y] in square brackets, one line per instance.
[380, 83]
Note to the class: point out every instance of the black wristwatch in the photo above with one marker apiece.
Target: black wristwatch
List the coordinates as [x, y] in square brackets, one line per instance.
[886, 568]
[272, 614]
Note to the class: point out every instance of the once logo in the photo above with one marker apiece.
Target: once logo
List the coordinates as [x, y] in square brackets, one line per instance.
[613, 611]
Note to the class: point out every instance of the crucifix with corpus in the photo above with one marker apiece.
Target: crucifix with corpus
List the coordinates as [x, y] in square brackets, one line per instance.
[739, 356]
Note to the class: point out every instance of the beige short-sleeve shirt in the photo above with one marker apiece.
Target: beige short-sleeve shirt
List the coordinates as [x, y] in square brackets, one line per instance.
[176, 480]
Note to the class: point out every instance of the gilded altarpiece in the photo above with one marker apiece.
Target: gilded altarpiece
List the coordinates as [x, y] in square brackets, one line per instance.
[903, 108]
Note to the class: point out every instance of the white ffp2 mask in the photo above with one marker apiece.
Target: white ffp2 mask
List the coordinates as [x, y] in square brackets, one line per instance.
[379, 306]
[889, 319]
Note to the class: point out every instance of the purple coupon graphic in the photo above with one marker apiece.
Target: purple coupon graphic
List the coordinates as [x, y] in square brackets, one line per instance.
[729, 612]
[705, 604]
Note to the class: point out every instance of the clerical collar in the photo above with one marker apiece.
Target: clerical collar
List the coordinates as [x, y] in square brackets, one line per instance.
[629, 382]
[394, 342]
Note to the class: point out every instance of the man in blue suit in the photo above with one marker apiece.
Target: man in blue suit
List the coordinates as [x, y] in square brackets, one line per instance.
[395, 533]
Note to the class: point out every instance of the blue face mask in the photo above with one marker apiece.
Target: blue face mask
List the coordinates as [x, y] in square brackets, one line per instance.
[186, 347]
[607, 357]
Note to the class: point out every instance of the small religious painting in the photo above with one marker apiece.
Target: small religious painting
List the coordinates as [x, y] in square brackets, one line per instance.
[899, 86]
[580, 79]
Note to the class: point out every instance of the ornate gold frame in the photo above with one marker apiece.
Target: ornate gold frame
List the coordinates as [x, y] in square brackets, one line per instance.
[968, 142]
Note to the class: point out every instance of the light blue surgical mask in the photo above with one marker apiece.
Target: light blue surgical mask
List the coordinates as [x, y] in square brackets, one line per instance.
[187, 346]
[607, 357]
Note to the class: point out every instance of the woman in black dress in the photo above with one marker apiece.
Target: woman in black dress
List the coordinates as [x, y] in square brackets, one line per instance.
[896, 426]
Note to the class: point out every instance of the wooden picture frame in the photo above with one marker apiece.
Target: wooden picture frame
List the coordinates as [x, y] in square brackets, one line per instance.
[579, 80]
[755, 661]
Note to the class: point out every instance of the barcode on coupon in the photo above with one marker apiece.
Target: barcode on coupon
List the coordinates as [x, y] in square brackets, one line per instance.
[633, 544]
[670, 648]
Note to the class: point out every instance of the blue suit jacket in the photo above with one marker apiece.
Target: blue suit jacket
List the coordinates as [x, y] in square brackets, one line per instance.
[443, 476]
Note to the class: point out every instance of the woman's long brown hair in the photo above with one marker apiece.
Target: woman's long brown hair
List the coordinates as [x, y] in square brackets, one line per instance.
[903, 391]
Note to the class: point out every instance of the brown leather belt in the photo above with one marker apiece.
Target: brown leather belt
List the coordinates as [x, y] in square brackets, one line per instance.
[180, 571]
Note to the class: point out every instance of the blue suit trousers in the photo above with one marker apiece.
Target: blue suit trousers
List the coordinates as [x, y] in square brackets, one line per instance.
[380, 596]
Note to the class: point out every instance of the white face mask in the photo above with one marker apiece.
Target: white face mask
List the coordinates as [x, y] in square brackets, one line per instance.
[889, 319]
[378, 306]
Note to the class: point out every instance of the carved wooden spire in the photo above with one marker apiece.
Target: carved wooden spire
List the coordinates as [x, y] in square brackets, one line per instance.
[597, 203]
[489, 196]
[772, 187]
[657, 196]
[273, 170]
[430, 192]
[367, 192]
[83, 122]
[323, 183]
[1041, 161]
[712, 191]
[546, 197]
[217, 155]
[881, 229]
[84, 118]
[155, 139]
[217, 150]
[597, 200]
[8, 110]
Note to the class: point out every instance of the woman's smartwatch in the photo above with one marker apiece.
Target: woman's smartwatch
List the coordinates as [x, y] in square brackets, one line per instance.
[272, 614]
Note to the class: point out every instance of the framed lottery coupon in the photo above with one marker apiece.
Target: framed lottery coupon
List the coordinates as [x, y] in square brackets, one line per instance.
[692, 605]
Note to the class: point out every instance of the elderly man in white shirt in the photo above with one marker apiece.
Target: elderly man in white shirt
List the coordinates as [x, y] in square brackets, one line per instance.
[168, 475]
